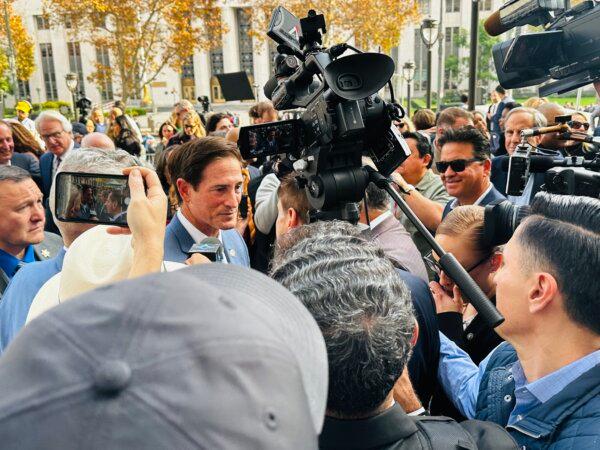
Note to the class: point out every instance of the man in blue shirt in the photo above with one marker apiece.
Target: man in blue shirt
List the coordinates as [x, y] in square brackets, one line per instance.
[21, 223]
[543, 384]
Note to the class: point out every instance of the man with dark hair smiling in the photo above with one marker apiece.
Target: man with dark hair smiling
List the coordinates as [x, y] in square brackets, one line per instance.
[208, 175]
[465, 166]
[542, 384]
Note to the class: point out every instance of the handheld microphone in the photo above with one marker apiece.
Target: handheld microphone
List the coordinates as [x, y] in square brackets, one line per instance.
[537, 163]
[543, 130]
[210, 247]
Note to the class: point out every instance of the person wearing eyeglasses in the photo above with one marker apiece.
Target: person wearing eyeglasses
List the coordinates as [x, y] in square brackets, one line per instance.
[465, 166]
[192, 129]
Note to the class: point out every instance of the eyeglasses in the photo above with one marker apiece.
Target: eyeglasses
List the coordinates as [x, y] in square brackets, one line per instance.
[401, 125]
[578, 124]
[434, 265]
[457, 165]
[188, 126]
[47, 137]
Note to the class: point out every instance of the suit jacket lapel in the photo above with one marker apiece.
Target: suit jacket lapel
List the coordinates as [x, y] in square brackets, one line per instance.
[184, 239]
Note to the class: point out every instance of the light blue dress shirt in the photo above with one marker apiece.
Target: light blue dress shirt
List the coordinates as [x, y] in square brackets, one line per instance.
[461, 378]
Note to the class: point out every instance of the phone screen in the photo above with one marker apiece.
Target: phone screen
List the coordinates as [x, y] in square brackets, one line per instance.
[92, 198]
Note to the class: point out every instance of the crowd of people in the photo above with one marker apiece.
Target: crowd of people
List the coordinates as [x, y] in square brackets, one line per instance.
[352, 337]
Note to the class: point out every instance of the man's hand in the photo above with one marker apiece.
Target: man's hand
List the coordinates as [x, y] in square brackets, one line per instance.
[146, 220]
[399, 180]
[445, 302]
[197, 258]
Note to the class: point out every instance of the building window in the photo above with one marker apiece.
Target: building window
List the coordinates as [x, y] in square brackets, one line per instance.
[216, 61]
[485, 5]
[23, 89]
[75, 65]
[452, 5]
[49, 72]
[42, 22]
[420, 77]
[425, 7]
[245, 41]
[105, 85]
[188, 84]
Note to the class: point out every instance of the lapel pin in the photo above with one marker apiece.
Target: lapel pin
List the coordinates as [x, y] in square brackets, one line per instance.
[45, 253]
[232, 252]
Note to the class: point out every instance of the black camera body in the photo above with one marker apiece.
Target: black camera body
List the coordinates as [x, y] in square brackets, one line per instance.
[84, 105]
[343, 119]
[567, 51]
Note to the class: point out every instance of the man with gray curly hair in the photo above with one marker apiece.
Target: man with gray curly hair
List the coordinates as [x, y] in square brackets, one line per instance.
[28, 281]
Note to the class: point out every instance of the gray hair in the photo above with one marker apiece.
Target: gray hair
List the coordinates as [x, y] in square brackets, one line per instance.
[92, 160]
[14, 174]
[537, 117]
[54, 116]
[376, 198]
[362, 307]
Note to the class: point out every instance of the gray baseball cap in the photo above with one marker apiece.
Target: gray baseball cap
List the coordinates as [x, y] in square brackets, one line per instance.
[211, 356]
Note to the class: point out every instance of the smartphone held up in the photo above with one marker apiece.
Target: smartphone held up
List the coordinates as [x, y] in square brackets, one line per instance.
[92, 198]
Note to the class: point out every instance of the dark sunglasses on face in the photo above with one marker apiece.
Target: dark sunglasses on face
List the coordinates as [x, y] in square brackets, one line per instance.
[188, 126]
[578, 124]
[457, 165]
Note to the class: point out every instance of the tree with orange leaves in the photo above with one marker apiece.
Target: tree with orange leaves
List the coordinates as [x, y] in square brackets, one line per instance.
[22, 48]
[143, 37]
[369, 23]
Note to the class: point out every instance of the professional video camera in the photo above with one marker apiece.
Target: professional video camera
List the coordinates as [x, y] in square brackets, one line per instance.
[565, 175]
[343, 116]
[566, 51]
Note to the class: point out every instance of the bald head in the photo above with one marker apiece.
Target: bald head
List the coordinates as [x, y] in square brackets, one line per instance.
[97, 140]
[551, 140]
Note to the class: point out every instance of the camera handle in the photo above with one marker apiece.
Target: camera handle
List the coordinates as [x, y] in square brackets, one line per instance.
[449, 263]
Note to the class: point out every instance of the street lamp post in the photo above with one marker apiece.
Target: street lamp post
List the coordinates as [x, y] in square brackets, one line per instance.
[408, 72]
[71, 80]
[429, 36]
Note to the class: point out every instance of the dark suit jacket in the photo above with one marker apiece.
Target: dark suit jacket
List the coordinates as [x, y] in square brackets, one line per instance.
[499, 177]
[27, 162]
[494, 194]
[46, 162]
[423, 363]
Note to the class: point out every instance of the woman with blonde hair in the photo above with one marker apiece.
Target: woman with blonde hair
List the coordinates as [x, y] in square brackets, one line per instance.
[192, 129]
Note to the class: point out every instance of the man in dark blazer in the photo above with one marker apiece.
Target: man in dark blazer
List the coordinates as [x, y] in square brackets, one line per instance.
[465, 166]
[208, 177]
[517, 120]
[9, 157]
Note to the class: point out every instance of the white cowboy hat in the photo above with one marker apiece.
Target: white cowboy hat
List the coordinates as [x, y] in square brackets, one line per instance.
[94, 259]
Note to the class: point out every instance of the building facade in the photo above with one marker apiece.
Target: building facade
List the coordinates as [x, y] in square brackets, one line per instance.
[56, 54]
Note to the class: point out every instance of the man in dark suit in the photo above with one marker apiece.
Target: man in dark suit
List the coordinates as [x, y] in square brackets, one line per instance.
[9, 157]
[465, 166]
[365, 314]
[517, 120]
[208, 175]
[56, 132]
[293, 208]
[22, 237]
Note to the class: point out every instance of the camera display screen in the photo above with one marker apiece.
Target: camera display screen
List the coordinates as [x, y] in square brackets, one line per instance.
[269, 139]
[92, 198]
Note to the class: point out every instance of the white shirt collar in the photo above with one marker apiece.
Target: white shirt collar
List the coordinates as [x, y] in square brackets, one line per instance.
[377, 220]
[478, 201]
[194, 232]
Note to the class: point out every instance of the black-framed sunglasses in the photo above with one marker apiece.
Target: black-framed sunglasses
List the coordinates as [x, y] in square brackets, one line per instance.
[434, 266]
[457, 165]
[578, 124]
[188, 126]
